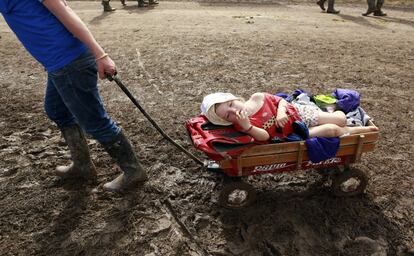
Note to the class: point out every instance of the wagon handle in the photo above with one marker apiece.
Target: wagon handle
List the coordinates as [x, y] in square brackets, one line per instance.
[156, 126]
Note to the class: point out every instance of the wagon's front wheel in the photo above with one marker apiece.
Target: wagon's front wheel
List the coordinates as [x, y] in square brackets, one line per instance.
[351, 182]
[236, 195]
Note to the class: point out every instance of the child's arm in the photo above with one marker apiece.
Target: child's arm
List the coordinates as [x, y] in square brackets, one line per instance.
[75, 25]
[257, 133]
[282, 118]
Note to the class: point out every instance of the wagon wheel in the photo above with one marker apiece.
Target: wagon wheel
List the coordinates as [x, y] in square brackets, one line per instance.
[328, 171]
[236, 195]
[351, 182]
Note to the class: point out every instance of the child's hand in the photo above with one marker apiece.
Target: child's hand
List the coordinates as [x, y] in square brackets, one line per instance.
[282, 119]
[243, 119]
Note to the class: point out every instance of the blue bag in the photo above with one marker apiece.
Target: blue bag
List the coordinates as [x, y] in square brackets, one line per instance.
[347, 100]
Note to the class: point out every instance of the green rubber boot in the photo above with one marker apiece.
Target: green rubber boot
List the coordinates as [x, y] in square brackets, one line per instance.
[121, 151]
[81, 165]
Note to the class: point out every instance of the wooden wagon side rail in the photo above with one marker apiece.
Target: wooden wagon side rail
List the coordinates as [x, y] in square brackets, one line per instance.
[293, 146]
[290, 157]
[353, 145]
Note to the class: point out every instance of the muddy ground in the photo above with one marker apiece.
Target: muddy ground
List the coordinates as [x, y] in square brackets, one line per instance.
[172, 55]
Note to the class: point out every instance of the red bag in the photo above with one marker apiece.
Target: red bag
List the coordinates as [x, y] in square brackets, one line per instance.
[217, 142]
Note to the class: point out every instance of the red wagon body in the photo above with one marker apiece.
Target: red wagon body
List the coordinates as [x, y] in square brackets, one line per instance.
[236, 155]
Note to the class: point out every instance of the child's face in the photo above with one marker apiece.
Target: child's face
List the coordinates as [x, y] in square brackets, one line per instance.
[227, 110]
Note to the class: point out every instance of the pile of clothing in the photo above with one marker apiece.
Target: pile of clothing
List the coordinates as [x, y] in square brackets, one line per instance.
[346, 100]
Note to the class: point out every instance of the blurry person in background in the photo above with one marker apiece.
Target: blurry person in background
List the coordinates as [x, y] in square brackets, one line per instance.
[331, 4]
[374, 6]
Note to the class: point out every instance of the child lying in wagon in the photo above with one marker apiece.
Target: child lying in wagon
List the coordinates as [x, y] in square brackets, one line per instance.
[265, 116]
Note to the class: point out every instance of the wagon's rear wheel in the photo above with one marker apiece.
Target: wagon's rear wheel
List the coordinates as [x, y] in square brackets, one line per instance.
[351, 182]
[236, 195]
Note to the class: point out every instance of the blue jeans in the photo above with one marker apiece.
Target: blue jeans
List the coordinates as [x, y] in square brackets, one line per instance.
[72, 97]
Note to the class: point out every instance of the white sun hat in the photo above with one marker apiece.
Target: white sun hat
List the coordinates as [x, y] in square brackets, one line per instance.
[208, 108]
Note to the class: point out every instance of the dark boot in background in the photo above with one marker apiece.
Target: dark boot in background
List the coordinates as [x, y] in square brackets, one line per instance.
[378, 11]
[123, 2]
[122, 152]
[331, 7]
[142, 3]
[81, 166]
[321, 4]
[107, 7]
[371, 8]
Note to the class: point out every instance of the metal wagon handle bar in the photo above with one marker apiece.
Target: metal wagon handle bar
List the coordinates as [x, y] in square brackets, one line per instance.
[161, 131]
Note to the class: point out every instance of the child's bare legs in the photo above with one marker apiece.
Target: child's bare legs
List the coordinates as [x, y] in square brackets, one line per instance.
[333, 130]
[337, 117]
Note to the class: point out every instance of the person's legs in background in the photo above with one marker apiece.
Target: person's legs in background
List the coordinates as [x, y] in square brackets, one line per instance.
[142, 3]
[378, 11]
[331, 9]
[153, 2]
[371, 7]
[107, 7]
[321, 4]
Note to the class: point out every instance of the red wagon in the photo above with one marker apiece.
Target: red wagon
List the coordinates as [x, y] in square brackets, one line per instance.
[242, 157]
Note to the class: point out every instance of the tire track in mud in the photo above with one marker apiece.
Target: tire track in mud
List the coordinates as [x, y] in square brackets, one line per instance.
[193, 243]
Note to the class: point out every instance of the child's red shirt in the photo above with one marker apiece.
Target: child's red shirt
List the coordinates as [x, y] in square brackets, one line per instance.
[265, 117]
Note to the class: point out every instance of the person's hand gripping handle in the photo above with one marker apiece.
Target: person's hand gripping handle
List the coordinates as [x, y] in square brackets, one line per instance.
[106, 66]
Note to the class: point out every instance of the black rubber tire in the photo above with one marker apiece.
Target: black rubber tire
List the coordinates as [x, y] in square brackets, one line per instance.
[339, 179]
[328, 171]
[249, 195]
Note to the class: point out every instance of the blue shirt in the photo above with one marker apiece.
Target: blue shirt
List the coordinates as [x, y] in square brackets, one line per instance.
[41, 33]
